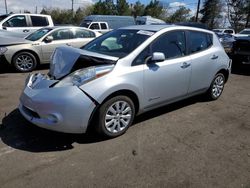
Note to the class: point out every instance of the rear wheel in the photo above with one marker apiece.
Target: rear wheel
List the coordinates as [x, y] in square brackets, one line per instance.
[24, 62]
[115, 116]
[216, 87]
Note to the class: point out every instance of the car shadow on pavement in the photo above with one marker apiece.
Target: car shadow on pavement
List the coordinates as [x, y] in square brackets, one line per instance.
[18, 133]
[7, 68]
[169, 108]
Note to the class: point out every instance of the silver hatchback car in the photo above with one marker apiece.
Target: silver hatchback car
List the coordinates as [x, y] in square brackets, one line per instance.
[124, 73]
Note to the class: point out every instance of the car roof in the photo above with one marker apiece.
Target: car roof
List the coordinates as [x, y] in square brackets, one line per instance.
[64, 27]
[148, 27]
[159, 27]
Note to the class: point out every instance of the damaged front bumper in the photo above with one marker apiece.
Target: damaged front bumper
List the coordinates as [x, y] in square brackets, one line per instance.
[63, 109]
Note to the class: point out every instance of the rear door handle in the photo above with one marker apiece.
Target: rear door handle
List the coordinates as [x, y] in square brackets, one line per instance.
[185, 65]
[214, 57]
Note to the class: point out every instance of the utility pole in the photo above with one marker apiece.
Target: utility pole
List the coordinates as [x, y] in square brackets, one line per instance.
[198, 10]
[72, 9]
[6, 9]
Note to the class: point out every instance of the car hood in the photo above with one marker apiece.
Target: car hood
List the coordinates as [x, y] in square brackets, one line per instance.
[67, 59]
[9, 41]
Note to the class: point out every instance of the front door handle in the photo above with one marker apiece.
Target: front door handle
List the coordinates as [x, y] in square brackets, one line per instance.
[214, 57]
[185, 65]
[26, 30]
[68, 44]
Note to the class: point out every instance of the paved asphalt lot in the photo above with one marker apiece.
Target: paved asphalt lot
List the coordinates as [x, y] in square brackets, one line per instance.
[192, 143]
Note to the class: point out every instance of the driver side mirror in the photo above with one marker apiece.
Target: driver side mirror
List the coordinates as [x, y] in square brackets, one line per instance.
[157, 57]
[48, 39]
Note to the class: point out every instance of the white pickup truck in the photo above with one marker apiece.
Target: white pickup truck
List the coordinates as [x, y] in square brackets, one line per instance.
[24, 23]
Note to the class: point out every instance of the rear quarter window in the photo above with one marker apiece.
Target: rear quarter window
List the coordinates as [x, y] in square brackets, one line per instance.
[199, 41]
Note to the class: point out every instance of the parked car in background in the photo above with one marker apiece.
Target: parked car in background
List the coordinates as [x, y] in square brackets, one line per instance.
[105, 23]
[123, 73]
[24, 23]
[241, 50]
[243, 33]
[26, 53]
[4, 33]
[224, 31]
[226, 41]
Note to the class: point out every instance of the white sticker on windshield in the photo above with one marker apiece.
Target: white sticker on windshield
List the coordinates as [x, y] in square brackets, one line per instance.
[143, 32]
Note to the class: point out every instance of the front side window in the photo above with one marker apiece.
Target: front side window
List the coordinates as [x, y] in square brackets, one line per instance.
[118, 43]
[172, 44]
[62, 34]
[39, 21]
[94, 26]
[199, 41]
[16, 21]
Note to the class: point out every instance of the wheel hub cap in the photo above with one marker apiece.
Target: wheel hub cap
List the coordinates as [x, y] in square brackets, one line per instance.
[118, 116]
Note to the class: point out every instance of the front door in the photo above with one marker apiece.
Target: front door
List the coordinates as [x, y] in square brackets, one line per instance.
[167, 80]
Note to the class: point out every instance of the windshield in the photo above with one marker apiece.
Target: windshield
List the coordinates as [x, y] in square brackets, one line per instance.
[247, 32]
[3, 17]
[38, 34]
[118, 43]
[85, 23]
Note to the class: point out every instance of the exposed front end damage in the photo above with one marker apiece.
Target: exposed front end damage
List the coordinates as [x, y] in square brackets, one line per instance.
[55, 101]
[64, 109]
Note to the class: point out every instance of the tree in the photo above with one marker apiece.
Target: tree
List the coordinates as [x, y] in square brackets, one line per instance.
[138, 9]
[211, 13]
[81, 13]
[122, 7]
[237, 13]
[180, 15]
[106, 7]
[247, 11]
[153, 9]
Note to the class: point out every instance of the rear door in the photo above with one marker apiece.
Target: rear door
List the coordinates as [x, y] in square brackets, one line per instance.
[204, 58]
[167, 80]
[81, 37]
[38, 22]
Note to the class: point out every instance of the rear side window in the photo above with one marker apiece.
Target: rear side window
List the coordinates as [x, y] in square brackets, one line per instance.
[103, 26]
[81, 33]
[199, 41]
[39, 21]
[16, 21]
[94, 26]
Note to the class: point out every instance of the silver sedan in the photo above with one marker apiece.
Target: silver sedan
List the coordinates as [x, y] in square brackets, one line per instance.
[26, 53]
[122, 74]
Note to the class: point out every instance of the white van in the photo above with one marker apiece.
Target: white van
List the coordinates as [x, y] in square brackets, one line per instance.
[24, 22]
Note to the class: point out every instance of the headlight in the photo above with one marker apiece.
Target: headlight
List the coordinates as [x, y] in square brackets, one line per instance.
[3, 50]
[85, 75]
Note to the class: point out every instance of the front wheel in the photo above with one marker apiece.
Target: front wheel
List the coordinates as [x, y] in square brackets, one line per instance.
[216, 87]
[115, 116]
[24, 62]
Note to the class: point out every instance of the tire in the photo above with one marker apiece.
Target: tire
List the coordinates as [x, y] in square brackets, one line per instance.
[217, 86]
[24, 62]
[115, 116]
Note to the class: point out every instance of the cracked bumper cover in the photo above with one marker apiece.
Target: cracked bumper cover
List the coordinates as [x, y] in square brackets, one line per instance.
[62, 109]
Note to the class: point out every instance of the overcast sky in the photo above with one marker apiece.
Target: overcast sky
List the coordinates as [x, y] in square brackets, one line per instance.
[20, 5]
